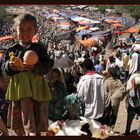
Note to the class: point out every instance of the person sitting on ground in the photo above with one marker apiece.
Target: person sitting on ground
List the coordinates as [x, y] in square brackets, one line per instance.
[62, 106]
[69, 80]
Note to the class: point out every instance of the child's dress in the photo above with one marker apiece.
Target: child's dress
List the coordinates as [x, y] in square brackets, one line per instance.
[28, 85]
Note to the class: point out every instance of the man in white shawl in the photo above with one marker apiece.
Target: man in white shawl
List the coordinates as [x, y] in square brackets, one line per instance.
[90, 88]
[134, 59]
[133, 88]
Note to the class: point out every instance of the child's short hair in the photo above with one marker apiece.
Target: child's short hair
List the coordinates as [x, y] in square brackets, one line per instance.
[24, 17]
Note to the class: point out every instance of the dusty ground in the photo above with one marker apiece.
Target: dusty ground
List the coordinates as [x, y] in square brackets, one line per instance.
[120, 124]
[121, 121]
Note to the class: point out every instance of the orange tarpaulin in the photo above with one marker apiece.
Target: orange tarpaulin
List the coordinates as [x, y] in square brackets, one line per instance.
[6, 38]
[64, 24]
[116, 25]
[112, 21]
[131, 30]
[35, 38]
[88, 43]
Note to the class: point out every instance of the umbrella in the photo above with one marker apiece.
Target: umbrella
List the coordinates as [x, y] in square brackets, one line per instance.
[64, 62]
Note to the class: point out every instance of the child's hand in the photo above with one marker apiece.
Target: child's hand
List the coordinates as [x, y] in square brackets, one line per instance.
[28, 68]
[14, 66]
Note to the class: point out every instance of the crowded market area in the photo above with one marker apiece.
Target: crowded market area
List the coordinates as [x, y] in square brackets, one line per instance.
[69, 70]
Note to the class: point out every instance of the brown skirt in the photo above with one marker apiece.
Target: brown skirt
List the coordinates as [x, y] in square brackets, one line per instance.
[29, 115]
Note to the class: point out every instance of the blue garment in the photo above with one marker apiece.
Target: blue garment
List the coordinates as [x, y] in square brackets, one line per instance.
[98, 68]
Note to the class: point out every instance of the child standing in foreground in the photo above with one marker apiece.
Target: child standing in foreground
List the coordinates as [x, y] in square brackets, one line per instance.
[28, 92]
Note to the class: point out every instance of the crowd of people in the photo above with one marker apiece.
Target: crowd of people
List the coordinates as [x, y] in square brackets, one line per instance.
[92, 87]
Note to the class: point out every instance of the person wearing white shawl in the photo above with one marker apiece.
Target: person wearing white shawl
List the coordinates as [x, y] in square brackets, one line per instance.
[90, 88]
[134, 59]
[133, 63]
[133, 86]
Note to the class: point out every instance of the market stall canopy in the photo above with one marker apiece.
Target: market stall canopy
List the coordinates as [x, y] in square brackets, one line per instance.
[84, 21]
[131, 30]
[56, 11]
[52, 15]
[89, 22]
[79, 7]
[116, 25]
[83, 32]
[64, 24]
[111, 21]
[108, 31]
[68, 35]
[92, 8]
[94, 29]
[63, 15]
[110, 10]
[82, 28]
[6, 38]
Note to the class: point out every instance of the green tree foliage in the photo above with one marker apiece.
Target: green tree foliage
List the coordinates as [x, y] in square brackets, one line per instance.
[134, 11]
[4, 16]
[130, 9]
[102, 8]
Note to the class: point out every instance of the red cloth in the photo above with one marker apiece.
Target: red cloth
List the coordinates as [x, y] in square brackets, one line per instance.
[94, 53]
[90, 72]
